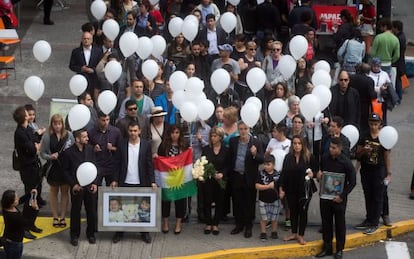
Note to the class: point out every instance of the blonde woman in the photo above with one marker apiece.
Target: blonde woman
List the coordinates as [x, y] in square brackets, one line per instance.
[55, 140]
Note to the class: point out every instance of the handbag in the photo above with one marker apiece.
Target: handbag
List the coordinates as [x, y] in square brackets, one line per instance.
[16, 161]
[45, 169]
[404, 82]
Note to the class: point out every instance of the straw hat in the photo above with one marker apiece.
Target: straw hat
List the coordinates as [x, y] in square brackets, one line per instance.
[157, 111]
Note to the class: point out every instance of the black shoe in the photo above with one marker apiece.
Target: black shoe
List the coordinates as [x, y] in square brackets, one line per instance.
[146, 237]
[236, 230]
[248, 233]
[116, 238]
[36, 229]
[215, 232]
[338, 255]
[48, 22]
[74, 241]
[207, 231]
[324, 253]
[28, 235]
[92, 240]
[364, 225]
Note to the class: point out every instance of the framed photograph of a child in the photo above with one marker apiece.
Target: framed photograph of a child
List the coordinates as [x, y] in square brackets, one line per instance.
[129, 209]
[332, 184]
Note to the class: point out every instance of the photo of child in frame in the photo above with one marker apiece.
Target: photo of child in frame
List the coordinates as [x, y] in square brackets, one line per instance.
[332, 184]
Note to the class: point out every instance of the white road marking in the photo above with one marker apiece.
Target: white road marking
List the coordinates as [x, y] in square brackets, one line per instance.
[397, 250]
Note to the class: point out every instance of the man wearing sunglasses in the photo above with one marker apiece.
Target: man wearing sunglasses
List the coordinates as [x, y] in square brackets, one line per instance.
[345, 101]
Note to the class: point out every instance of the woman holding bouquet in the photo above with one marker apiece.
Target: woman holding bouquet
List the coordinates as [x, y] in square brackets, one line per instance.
[173, 144]
[213, 188]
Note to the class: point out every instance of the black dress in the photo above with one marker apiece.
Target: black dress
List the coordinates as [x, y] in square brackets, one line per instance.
[56, 176]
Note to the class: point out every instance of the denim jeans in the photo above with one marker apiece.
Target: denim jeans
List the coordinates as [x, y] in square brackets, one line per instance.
[14, 250]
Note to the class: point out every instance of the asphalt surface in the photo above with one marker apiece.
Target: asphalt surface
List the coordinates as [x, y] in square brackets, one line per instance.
[63, 37]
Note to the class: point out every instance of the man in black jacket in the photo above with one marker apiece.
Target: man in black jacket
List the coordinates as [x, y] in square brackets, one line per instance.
[335, 162]
[73, 157]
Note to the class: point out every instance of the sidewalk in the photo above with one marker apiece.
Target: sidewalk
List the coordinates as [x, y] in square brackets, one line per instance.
[63, 37]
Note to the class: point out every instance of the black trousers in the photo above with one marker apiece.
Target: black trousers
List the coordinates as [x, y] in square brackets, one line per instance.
[373, 185]
[212, 192]
[180, 208]
[298, 213]
[330, 211]
[244, 198]
[385, 204]
[29, 175]
[90, 202]
[412, 182]
[47, 9]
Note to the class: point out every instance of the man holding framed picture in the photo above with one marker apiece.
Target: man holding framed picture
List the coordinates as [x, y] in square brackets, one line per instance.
[334, 206]
[134, 157]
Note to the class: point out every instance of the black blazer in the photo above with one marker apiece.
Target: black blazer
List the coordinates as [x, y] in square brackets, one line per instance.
[24, 144]
[251, 164]
[146, 168]
[77, 60]
[222, 37]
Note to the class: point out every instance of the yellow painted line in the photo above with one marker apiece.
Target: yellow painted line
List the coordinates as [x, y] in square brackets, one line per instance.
[311, 248]
[44, 223]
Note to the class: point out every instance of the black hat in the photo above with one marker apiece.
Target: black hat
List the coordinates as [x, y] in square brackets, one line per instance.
[374, 117]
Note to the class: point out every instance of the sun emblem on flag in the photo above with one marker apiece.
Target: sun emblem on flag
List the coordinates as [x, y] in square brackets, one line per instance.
[175, 178]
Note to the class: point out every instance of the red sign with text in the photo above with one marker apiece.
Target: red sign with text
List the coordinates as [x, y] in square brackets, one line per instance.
[328, 16]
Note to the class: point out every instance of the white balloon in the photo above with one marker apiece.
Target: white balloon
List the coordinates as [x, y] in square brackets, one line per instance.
[277, 109]
[78, 116]
[324, 95]
[86, 173]
[298, 46]
[178, 98]
[154, 2]
[256, 78]
[78, 84]
[111, 29]
[194, 85]
[189, 111]
[205, 109]
[249, 114]
[287, 66]
[191, 18]
[189, 30]
[234, 2]
[112, 71]
[228, 21]
[98, 9]
[42, 50]
[34, 87]
[352, 133]
[145, 47]
[321, 77]
[388, 137]
[150, 69]
[128, 43]
[279, 155]
[322, 65]
[175, 25]
[158, 45]
[256, 101]
[178, 80]
[220, 80]
[107, 101]
[309, 106]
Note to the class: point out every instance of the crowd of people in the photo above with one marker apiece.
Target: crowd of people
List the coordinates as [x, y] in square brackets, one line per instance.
[145, 123]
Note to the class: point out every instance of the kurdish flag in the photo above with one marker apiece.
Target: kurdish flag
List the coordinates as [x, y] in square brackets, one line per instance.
[173, 175]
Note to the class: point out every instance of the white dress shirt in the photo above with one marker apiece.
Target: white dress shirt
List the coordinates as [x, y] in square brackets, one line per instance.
[87, 54]
[132, 176]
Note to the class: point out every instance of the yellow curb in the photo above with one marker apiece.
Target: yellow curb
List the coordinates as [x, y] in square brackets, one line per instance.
[311, 248]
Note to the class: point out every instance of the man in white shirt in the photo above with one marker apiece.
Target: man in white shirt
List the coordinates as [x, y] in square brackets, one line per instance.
[134, 157]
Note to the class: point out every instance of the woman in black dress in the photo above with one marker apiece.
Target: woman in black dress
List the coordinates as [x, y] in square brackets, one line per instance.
[297, 165]
[173, 144]
[54, 142]
[217, 154]
[15, 223]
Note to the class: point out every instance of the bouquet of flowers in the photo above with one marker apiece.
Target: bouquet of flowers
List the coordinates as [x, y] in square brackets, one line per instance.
[202, 170]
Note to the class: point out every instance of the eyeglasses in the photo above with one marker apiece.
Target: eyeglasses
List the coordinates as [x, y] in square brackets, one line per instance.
[343, 79]
[132, 109]
[252, 49]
